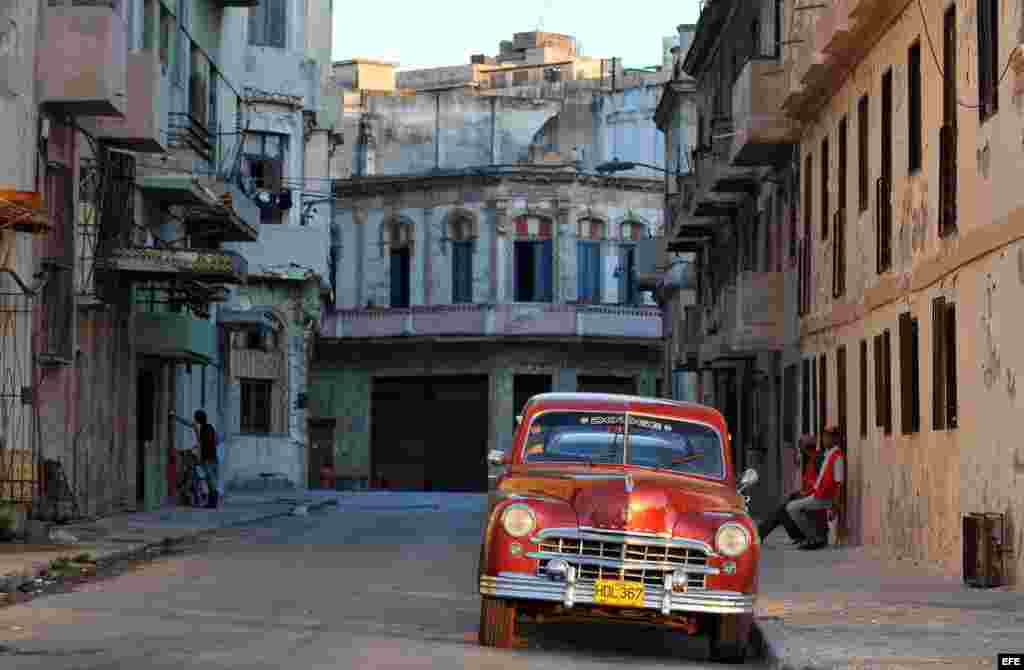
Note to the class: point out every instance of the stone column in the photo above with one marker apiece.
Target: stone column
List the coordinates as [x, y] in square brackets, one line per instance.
[559, 231]
[565, 256]
[501, 253]
[502, 408]
[428, 253]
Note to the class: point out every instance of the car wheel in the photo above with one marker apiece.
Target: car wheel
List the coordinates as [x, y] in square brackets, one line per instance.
[497, 622]
[730, 635]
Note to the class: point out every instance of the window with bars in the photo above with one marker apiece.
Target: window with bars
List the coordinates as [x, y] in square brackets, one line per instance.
[914, 138]
[824, 188]
[863, 388]
[863, 145]
[944, 362]
[257, 405]
[268, 23]
[988, 58]
[533, 271]
[947, 132]
[910, 396]
[883, 382]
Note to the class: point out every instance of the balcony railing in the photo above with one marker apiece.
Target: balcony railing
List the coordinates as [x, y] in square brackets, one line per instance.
[503, 320]
[150, 263]
[186, 131]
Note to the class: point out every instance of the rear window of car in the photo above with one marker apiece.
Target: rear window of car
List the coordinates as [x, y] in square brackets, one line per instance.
[609, 437]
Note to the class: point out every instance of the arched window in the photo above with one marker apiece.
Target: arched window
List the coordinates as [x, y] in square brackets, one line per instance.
[398, 238]
[461, 232]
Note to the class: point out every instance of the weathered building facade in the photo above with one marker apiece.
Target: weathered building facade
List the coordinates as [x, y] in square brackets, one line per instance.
[483, 260]
[738, 342]
[914, 265]
[114, 215]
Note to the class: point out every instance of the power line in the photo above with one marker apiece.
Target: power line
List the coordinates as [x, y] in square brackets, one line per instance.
[935, 59]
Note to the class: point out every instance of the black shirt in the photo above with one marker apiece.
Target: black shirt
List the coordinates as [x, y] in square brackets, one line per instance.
[207, 442]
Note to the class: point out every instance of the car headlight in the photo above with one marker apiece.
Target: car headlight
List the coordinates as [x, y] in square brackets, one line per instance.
[732, 539]
[518, 520]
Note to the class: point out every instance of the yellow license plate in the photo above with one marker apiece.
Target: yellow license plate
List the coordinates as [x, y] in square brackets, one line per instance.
[619, 593]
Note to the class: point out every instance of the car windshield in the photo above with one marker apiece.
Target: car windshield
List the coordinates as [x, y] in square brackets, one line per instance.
[597, 437]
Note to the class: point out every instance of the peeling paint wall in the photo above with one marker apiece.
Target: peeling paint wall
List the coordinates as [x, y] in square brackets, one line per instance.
[908, 493]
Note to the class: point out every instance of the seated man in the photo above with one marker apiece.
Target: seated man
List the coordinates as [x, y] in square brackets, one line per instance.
[826, 490]
[809, 475]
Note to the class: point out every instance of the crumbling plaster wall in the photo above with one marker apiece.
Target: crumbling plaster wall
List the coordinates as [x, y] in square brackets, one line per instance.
[909, 491]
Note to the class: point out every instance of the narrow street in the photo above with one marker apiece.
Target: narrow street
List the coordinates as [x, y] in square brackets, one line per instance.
[349, 587]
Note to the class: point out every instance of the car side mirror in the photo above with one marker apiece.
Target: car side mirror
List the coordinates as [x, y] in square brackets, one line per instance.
[519, 419]
[497, 457]
[748, 479]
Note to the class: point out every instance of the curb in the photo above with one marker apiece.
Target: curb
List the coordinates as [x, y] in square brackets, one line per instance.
[148, 550]
[766, 638]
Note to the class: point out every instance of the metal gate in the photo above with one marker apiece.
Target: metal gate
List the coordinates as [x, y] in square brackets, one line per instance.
[19, 474]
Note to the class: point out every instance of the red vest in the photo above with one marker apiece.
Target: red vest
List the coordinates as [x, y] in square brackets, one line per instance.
[827, 486]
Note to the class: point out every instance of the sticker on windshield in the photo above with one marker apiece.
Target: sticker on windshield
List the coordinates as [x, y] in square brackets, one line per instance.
[603, 420]
[651, 425]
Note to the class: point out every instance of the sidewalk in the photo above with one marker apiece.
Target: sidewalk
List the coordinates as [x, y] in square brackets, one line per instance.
[846, 607]
[125, 536]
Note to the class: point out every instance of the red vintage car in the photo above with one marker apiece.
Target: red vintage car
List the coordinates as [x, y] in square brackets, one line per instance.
[620, 508]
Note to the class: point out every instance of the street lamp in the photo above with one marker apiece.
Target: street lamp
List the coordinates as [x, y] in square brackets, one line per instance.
[615, 165]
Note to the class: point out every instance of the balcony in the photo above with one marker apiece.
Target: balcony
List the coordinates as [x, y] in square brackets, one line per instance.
[149, 263]
[764, 136]
[747, 318]
[145, 117]
[719, 187]
[23, 211]
[217, 210]
[82, 61]
[177, 336]
[504, 320]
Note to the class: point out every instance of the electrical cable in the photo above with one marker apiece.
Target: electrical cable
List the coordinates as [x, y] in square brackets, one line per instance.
[935, 59]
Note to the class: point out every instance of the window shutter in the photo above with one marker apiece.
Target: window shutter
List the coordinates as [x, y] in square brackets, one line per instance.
[583, 271]
[822, 393]
[906, 410]
[462, 282]
[543, 271]
[276, 21]
[887, 372]
[938, 364]
[841, 389]
[623, 274]
[805, 403]
[257, 19]
[879, 383]
[952, 411]
[863, 388]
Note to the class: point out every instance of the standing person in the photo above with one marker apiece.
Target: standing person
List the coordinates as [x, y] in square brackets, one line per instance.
[809, 476]
[825, 493]
[208, 454]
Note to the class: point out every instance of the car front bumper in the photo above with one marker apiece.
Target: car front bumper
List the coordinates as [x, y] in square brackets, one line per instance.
[519, 586]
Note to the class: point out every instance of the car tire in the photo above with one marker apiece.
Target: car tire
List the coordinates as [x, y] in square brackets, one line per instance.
[730, 637]
[497, 622]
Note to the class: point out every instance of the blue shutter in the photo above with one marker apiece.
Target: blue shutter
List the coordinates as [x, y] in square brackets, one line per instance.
[400, 278]
[462, 271]
[583, 271]
[623, 274]
[544, 261]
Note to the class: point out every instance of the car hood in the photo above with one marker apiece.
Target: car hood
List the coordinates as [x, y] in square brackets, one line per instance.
[652, 502]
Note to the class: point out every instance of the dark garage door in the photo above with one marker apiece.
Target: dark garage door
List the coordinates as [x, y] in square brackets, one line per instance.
[603, 384]
[430, 433]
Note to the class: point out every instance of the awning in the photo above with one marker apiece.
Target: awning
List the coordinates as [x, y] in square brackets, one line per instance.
[208, 207]
[257, 316]
[23, 211]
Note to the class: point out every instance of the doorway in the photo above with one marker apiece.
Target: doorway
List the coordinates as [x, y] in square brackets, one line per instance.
[321, 449]
[145, 432]
[525, 387]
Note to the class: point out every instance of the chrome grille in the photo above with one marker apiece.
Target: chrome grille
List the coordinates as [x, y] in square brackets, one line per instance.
[612, 550]
[647, 576]
[656, 553]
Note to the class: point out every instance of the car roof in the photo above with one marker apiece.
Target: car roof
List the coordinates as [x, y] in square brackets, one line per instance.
[620, 402]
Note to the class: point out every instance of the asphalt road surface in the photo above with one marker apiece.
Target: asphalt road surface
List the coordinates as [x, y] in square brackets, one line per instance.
[359, 588]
